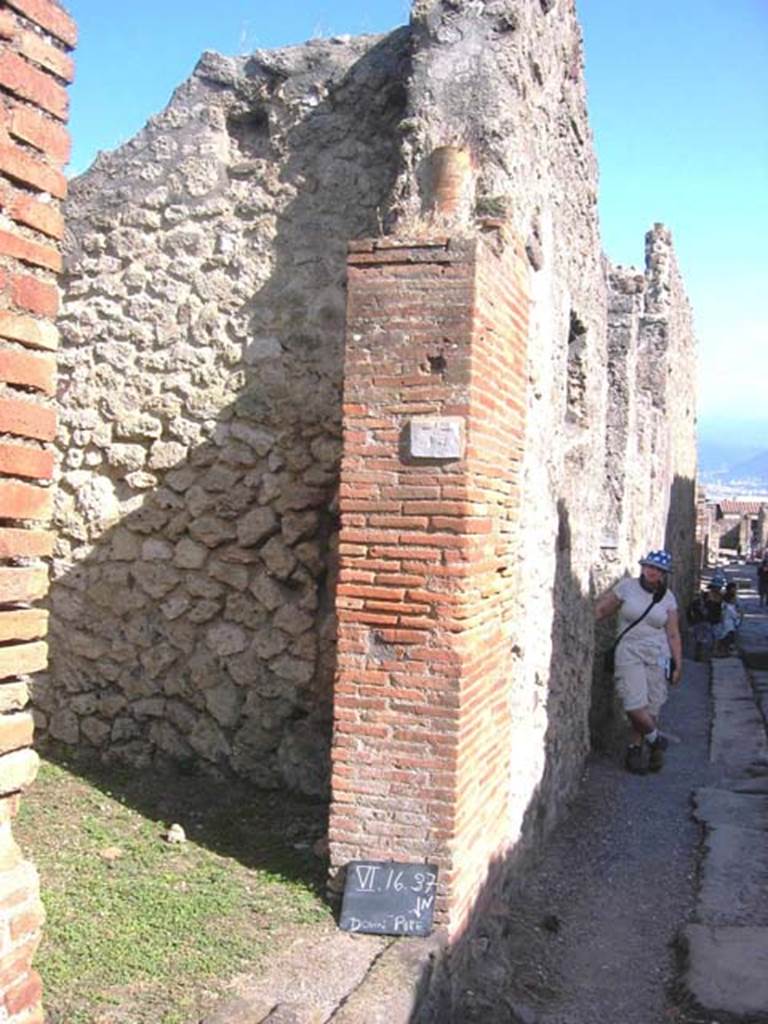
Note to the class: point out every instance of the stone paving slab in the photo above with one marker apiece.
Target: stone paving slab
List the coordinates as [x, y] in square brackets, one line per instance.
[722, 807]
[738, 714]
[756, 658]
[394, 986]
[738, 736]
[729, 679]
[757, 784]
[728, 968]
[307, 984]
[734, 877]
[286, 1013]
[738, 741]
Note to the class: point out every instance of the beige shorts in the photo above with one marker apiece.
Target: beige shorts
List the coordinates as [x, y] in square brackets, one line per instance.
[641, 686]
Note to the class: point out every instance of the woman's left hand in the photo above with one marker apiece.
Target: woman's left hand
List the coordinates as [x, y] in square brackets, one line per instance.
[677, 675]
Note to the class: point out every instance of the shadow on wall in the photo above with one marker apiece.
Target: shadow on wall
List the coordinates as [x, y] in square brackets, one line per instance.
[192, 608]
[680, 539]
[478, 962]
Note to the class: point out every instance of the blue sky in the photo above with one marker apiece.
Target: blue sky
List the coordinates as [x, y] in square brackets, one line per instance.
[678, 96]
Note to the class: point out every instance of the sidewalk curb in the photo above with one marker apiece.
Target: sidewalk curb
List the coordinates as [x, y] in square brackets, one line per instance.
[726, 946]
[395, 986]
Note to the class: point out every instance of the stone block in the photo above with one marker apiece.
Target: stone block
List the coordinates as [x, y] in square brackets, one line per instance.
[734, 878]
[21, 166]
[23, 624]
[29, 369]
[18, 247]
[728, 968]
[27, 419]
[20, 460]
[17, 770]
[25, 501]
[37, 297]
[13, 697]
[35, 333]
[50, 16]
[716, 807]
[46, 135]
[256, 525]
[23, 659]
[212, 531]
[23, 585]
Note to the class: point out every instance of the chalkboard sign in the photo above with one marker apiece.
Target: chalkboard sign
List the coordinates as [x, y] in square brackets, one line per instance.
[382, 897]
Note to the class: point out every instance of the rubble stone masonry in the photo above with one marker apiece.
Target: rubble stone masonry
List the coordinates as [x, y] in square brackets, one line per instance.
[208, 280]
[35, 68]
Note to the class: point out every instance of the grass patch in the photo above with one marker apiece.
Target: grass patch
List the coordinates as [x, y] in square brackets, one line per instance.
[139, 930]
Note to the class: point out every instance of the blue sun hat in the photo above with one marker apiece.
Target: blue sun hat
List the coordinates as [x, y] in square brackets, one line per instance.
[658, 560]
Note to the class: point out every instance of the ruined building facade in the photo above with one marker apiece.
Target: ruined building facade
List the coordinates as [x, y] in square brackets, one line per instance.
[36, 37]
[350, 393]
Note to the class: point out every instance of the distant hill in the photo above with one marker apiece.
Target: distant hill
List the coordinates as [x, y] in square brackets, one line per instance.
[727, 443]
[757, 467]
[719, 456]
[734, 457]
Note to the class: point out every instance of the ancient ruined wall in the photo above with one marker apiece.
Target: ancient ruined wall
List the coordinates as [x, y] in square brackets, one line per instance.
[193, 612]
[650, 467]
[35, 68]
[199, 444]
[651, 452]
[509, 85]
[668, 327]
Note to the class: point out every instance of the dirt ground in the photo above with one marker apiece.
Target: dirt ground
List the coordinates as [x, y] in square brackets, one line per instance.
[591, 936]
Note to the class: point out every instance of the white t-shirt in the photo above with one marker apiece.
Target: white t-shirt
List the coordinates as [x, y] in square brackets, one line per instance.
[647, 641]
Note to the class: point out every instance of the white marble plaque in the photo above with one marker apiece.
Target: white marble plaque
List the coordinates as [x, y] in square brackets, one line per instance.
[437, 437]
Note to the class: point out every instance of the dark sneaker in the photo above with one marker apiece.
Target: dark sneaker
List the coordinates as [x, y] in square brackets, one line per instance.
[634, 760]
[656, 756]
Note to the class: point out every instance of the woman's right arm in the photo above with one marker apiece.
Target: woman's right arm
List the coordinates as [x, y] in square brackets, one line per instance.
[606, 605]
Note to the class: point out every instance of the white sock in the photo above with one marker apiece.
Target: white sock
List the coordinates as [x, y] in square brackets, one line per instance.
[651, 737]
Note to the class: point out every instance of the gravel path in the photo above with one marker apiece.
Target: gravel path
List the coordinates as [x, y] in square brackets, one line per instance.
[590, 938]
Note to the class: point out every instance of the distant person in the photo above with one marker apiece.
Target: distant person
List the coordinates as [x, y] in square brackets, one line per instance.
[732, 597]
[730, 620]
[704, 615]
[762, 580]
[648, 654]
[718, 579]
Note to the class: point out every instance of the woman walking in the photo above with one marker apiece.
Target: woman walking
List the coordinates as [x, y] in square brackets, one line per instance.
[648, 653]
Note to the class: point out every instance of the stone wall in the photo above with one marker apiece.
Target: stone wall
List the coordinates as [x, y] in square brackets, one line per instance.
[650, 468]
[205, 301]
[509, 85]
[203, 325]
[35, 68]
[651, 453]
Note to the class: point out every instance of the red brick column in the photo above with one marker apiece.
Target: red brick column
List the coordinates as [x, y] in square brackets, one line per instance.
[421, 751]
[35, 37]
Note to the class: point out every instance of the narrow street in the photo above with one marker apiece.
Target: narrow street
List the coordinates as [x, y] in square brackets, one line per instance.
[595, 935]
[649, 904]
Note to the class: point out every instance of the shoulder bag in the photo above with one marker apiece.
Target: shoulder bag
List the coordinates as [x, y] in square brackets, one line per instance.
[609, 657]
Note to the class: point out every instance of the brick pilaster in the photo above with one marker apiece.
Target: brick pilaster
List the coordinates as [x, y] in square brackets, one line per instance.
[35, 69]
[421, 751]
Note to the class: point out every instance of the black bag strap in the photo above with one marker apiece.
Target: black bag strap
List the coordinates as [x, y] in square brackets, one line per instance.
[654, 600]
